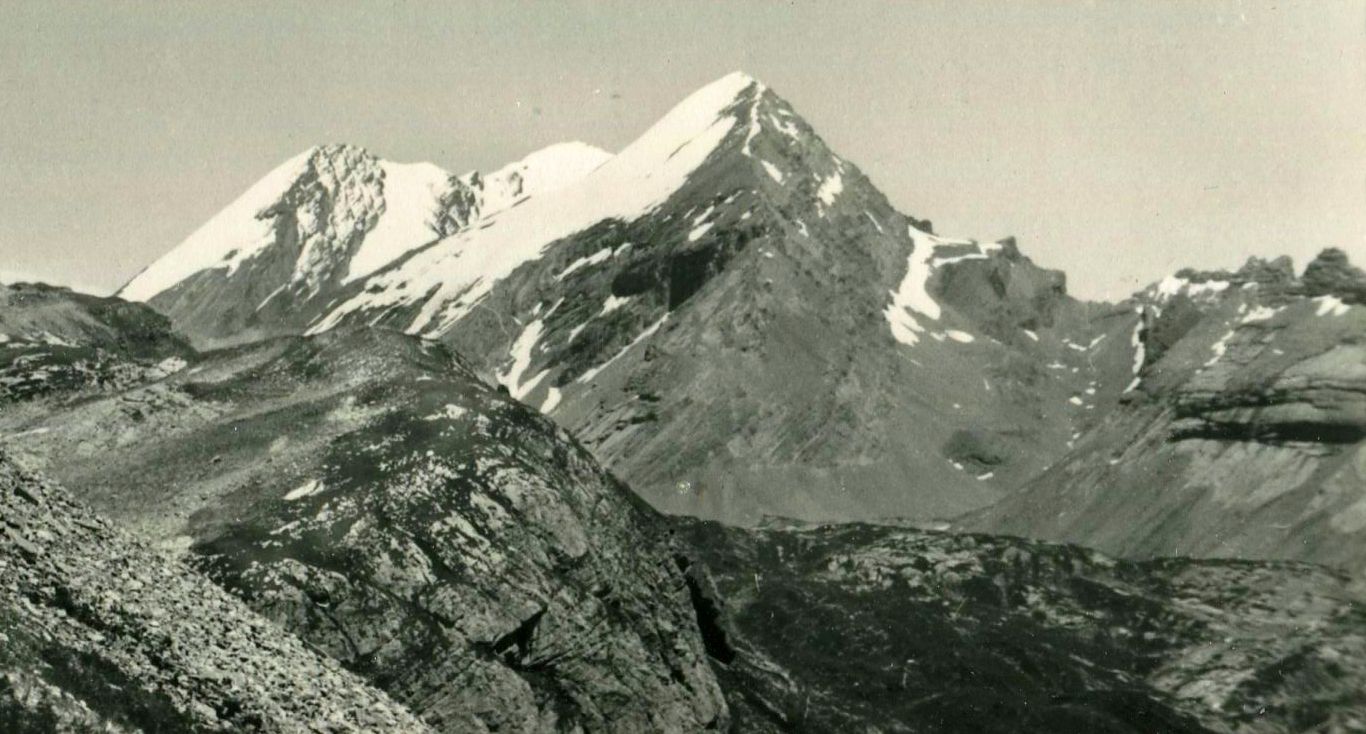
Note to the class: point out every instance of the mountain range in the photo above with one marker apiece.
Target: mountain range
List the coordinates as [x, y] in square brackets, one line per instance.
[678, 439]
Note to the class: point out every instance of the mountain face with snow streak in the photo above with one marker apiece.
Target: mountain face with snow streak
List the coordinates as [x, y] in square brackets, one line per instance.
[279, 255]
[1243, 436]
[739, 323]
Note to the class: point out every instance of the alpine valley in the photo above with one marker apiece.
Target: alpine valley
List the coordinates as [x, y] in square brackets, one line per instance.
[702, 435]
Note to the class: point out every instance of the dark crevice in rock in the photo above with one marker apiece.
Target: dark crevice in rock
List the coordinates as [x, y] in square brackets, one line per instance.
[714, 638]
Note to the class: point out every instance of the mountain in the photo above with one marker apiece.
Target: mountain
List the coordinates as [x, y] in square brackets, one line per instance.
[873, 628]
[276, 257]
[99, 632]
[736, 322]
[57, 344]
[1242, 437]
[363, 490]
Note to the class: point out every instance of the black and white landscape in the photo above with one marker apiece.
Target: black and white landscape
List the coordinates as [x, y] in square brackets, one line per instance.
[703, 434]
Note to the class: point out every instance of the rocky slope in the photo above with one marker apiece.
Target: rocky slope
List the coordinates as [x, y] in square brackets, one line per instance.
[864, 628]
[738, 323]
[58, 344]
[363, 490]
[1243, 437]
[98, 632]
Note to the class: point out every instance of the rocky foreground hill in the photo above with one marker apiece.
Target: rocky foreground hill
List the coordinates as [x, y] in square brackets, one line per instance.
[99, 632]
[365, 494]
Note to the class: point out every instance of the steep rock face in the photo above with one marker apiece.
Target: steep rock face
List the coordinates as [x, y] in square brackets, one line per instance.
[852, 627]
[736, 321]
[57, 344]
[365, 491]
[278, 256]
[100, 633]
[1243, 437]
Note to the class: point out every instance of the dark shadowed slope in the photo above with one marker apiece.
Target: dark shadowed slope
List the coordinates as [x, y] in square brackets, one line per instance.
[862, 628]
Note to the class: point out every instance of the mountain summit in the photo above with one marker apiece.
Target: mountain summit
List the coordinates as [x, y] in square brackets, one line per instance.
[729, 313]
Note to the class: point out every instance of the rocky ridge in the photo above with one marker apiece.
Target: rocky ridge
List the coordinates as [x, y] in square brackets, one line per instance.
[1243, 436]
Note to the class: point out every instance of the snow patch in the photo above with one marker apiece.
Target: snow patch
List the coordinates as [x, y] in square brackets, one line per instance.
[830, 189]
[960, 336]
[305, 490]
[773, 171]
[596, 258]
[699, 230]
[449, 412]
[521, 359]
[552, 399]
[1330, 306]
[613, 303]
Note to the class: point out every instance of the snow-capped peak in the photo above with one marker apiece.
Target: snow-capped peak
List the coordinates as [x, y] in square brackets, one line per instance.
[461, 269]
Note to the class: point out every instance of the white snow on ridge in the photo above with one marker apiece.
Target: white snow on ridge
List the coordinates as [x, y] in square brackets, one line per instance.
[232, 236]
[412, 195]
[463, 268]
[1172, 285]
[913, 295]
[547, 170]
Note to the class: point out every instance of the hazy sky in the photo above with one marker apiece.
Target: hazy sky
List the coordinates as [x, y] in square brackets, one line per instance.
[1118, 141]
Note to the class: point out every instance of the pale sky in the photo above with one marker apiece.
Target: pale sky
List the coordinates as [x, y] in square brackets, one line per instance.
[1117, 140]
